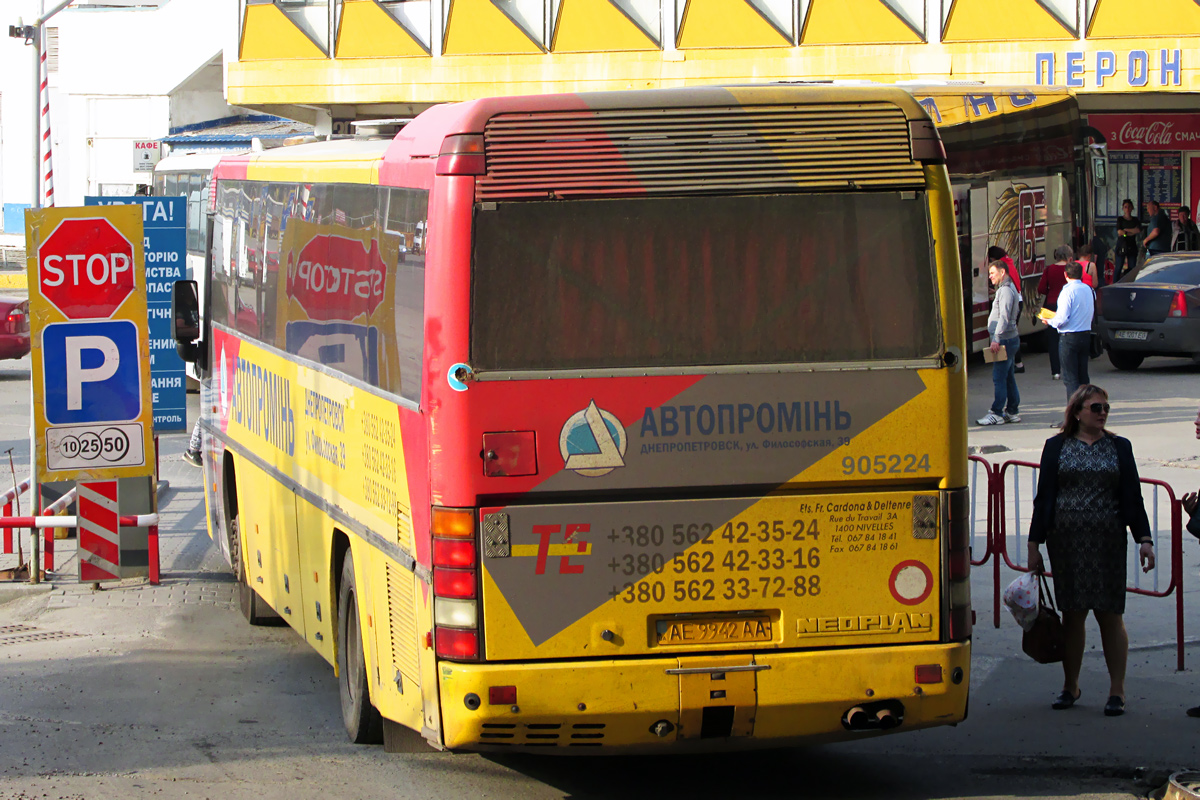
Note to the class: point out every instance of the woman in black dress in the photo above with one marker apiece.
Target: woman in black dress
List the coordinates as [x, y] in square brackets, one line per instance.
[1088, 494]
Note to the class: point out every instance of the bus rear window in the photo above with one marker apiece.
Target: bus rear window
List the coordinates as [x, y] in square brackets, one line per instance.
[703, 281]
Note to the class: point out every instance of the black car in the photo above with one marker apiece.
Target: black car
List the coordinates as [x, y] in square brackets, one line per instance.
[1152, 311]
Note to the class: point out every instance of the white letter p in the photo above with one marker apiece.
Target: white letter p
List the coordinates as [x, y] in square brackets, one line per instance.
[77, 375]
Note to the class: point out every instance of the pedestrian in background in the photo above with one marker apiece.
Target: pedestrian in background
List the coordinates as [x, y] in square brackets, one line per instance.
[1191, 503]
[1088, 494]
[1100, 259]
[1129, 232]
[1158, 230]
[1073, 321]
[1187, 235]
[995, 253]
[1002, 330]
[1088, 262]
[1053, 279]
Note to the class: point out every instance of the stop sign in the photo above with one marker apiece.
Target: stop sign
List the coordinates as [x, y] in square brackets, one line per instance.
[85, 268]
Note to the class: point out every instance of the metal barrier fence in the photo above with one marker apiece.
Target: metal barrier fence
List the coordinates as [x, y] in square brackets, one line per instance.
[7, 499]
[1009, 490]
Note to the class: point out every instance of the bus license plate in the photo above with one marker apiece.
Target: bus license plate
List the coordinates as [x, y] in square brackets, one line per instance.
[673, 631]
[1138, 335]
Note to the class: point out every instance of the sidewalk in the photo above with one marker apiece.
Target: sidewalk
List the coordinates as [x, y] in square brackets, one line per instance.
[1010, 712]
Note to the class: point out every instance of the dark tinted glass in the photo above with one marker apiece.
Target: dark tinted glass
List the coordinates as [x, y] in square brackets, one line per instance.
[1169, 271]
[703, 281]
[329, 273]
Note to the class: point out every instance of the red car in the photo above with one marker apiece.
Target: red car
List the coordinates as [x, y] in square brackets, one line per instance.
[14, 327]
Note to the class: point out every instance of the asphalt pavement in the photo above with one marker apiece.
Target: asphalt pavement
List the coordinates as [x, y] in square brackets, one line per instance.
[140, 691]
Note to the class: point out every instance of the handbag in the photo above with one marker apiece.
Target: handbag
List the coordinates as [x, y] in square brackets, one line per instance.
[1044, 640]
[1095, 346]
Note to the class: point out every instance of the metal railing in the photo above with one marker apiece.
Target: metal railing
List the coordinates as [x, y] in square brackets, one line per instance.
[1009, 490]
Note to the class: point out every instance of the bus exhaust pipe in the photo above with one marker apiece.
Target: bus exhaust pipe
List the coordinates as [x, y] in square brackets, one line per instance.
[884, 715]
[885, 719]
[857, 719]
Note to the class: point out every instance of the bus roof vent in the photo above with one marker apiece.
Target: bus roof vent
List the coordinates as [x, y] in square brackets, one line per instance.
[707, 150]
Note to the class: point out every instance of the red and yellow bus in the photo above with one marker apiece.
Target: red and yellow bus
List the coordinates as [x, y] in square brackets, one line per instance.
[602, 422]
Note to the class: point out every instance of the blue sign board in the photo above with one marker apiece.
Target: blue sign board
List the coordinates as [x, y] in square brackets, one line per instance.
[100, 379]
[164, 220]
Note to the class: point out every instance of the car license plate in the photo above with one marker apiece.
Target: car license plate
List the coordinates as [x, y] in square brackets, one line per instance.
[714, 630]
[1137, 335]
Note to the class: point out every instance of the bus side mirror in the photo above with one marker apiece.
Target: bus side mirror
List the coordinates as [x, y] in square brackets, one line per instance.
[185, 316]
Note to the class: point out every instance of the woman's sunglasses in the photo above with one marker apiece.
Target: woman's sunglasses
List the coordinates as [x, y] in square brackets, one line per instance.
[1096, 408]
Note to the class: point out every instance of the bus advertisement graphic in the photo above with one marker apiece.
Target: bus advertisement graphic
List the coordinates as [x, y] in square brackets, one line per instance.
[337, 296]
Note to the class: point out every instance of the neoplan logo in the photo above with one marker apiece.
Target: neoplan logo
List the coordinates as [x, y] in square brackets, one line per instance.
[592, 442]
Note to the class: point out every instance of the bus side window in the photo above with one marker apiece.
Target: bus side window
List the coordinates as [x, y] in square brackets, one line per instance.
[195, 219]
[403, 214]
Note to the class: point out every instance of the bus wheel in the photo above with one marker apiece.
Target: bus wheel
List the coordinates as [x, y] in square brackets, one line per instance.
[364, 725]
[254, 608]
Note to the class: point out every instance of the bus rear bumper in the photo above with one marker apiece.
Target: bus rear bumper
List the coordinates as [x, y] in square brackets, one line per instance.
[654, 705]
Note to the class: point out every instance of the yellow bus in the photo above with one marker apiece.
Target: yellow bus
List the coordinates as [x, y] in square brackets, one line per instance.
[601, 422]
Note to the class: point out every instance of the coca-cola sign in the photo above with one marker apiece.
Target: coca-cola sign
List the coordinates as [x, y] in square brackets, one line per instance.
[1148, 131]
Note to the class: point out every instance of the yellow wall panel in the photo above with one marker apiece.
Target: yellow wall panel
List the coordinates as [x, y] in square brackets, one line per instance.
[367, 31]
[989, 21]
[727, 23]
[366, 81]
[478, 27]
[855, 22]
[268, 35]
[1133, 18]
[594, 26]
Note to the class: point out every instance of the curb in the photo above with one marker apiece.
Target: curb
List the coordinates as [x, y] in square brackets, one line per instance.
[16, 591]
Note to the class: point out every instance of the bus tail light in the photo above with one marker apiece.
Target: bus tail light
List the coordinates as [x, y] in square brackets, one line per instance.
[454, 552]
[928, 673]
[457, 644]
[462, 155]
[458, 583]
[455, 583]
[502, 695]
[1178, 306]
[958, 565]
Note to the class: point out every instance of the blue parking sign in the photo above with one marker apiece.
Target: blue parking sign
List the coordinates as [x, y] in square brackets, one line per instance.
[92, 372]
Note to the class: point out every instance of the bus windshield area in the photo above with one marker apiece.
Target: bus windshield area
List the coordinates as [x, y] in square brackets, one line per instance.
[703, 281]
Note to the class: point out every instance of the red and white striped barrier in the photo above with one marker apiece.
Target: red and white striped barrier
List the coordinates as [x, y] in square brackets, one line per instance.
[7, 499]
[47, 160]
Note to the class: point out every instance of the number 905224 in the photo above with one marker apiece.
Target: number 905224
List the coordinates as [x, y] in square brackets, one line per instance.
[885, 465]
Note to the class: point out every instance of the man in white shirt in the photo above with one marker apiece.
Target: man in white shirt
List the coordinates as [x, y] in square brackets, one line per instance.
[1073, 321]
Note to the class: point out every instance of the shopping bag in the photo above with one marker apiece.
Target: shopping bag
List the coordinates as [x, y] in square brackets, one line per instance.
[1021, 598]
[1044, 640]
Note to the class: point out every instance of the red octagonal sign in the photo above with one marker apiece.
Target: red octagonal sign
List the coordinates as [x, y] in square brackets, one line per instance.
[85, 268]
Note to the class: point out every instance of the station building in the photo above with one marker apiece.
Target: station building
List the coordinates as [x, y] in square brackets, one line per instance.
[1134, 64]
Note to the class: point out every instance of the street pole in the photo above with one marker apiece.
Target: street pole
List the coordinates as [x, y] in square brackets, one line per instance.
[37, 109]
[32, 34]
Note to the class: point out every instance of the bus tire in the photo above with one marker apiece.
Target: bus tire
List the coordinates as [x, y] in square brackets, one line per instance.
[364, 725]
[254, 608]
